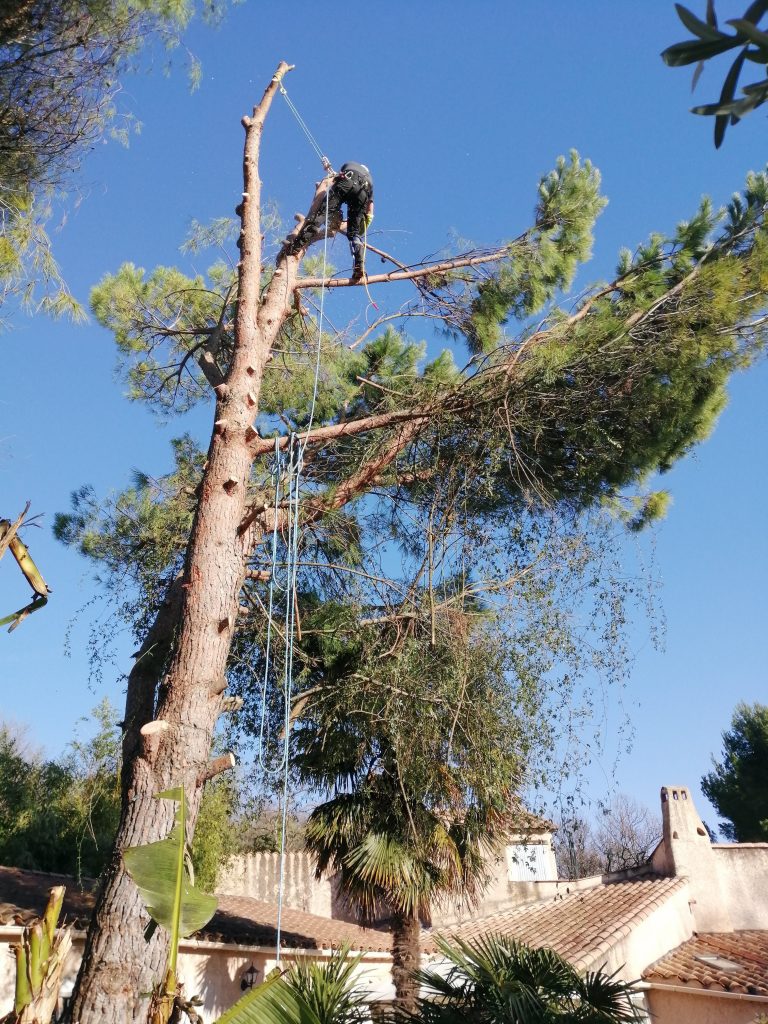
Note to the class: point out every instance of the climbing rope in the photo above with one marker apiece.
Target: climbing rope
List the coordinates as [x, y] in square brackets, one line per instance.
[286, 480]
[292, 560]
[303, 125]
[327, 166]
[365, 275]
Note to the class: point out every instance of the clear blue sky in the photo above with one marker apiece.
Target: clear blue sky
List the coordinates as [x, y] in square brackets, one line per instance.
[458, 108]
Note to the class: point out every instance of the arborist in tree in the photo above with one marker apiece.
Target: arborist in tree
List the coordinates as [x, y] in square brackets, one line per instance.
[352, 186]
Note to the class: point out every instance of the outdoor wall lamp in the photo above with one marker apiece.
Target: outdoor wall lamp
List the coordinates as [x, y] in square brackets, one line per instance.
[249, 978]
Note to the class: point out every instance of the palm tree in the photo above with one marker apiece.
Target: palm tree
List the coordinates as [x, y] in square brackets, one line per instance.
[397, 857]
[329, 990]
[420, 790]
[497, 980]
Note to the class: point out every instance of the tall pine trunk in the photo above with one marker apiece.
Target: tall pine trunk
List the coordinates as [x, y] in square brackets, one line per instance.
[195, 628]
[406, 959]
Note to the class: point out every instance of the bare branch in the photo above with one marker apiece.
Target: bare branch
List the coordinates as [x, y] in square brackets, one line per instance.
[407, 275]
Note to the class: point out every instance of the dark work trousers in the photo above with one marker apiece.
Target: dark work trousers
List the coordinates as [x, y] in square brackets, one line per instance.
[356, 200]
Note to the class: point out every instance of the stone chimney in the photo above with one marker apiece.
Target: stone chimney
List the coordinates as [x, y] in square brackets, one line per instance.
[686, 851]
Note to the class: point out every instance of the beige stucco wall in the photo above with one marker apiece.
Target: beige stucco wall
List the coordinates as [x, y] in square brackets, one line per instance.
[502, 892]
[214, 972]
[697, 1007]
[689, 854]
[743, 881]
[211, 970]
[258, 875]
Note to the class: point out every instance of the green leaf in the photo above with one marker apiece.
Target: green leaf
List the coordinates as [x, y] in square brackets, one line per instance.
[727, 94]
[159, 872]
[691, 52]
[751, 32]
[696, 25]
[18, 617]
[273, 1002]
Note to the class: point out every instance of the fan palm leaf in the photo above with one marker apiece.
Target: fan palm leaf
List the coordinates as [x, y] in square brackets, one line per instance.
[496, 980]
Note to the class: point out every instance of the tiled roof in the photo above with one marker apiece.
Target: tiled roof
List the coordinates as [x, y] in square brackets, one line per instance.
[252, 922]
[581, 925]
[691, 964]
[24, 894]
[239, 919]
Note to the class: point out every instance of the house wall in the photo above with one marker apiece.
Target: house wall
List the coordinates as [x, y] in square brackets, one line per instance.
[526, 863]
[699, 1007]
[525, 873]
[743, 881]
[211, 970]
[214, 971]
[258, 875]
[688, 853]
[728, 882]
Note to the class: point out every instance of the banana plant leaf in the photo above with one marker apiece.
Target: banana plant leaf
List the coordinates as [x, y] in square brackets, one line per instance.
[18, 617]
[159, 871]
[272, 1002]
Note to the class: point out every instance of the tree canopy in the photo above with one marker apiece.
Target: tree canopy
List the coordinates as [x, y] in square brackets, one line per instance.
[61, 68]
[738, 782]
[415, 504]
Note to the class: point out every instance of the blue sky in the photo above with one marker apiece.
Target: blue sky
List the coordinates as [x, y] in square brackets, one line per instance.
[458, 108]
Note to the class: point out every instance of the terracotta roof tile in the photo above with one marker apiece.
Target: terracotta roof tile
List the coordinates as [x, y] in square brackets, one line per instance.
[24, 894]
[239, 919]
[689, 964]
[582, 925]
[252, 922]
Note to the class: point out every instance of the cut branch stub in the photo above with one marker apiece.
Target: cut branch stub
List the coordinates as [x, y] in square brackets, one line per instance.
[152, 734]
[216, 766]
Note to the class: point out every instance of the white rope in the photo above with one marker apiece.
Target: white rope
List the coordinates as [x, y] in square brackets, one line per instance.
[294, 470]
[303, 125]
[292, 489]
[277, 483]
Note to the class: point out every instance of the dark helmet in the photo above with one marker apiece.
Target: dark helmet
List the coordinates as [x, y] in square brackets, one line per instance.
[360, 169]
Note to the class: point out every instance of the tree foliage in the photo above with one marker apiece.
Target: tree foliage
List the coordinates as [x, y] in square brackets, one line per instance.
[738, 782]
[710, 41]
[60, 816]
[330, 989]
[61, 67]
[444, 503]
[496, 980]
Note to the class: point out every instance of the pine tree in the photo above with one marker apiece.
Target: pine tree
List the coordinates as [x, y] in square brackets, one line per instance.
[738, 782]
[542, 423]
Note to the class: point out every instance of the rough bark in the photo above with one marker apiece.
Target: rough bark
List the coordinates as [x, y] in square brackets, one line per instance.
[406, 957]
[119, 966]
